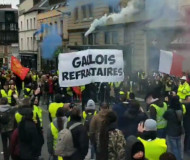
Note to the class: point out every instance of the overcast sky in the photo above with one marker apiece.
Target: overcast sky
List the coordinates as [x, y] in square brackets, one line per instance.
[13, 2]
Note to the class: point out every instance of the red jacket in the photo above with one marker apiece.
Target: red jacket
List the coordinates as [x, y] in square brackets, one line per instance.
[50, 82]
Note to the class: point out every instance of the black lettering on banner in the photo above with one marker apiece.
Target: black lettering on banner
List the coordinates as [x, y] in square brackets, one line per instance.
[120, 71]
[90, 61]
[92, 71]
[76, 63]
[99, 59]
[115, 73]
[109, 71]
[88, 74]
[65, 76]
[78, 73]
[111, 59]
[105, 71]
[106, 59]
[84, 61]
[82, 74]
[72, 75]
[99, 72]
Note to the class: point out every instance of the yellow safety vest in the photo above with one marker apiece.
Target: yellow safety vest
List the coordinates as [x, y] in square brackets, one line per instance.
[35, 78]
[84, 115]
[55, 133]
[4, 94]
[69, 91]
[183, 90]
[37, 111]
[161, 122]
[29, 91]
[18, 117]
[10, 95]
[155, 148]
[82, 88]
[53, 107]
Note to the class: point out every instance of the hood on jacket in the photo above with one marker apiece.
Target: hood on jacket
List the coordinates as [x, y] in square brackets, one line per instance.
[133, 147]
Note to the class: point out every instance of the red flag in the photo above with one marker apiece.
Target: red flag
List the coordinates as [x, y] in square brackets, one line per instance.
[18, 69]
[77, 90]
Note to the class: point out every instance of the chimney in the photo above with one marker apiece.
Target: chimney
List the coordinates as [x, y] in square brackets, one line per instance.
[5, 6]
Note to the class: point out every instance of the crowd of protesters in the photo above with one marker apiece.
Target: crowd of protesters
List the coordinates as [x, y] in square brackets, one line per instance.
[105, 121]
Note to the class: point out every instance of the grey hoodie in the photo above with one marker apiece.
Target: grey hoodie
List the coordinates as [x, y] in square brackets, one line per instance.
[50, 138]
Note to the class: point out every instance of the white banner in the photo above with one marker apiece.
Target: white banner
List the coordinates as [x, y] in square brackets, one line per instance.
[88, 66]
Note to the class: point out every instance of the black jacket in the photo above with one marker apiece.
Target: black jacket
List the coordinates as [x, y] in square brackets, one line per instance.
[80, 141]
[174, 119]
[29, 140]
[186, 119]
[133, 146]
[132, 120]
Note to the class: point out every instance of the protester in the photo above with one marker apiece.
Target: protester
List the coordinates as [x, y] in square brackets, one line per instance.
[54, 106]
[183, 89]
[111, 142]
[88, 114]
[79, 135]
[6, 125]
[132, 117]
[134, 149]
[154, 147]
[120, 109]
[29, 143]
[54, 128]
[96, 124]
[157, 110]
[186, 122]
[175, 130]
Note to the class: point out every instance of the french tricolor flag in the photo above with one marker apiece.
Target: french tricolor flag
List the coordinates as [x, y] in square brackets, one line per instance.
[171, 63]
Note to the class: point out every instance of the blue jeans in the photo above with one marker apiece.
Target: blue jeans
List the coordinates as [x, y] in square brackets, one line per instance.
[175, 146]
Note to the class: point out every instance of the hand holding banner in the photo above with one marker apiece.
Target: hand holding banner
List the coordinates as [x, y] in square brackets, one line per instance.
[88, 66]
[18, 69]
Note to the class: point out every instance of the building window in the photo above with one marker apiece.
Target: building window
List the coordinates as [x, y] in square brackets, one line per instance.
[113, 8]
[2, 26]
[21, 45]
[115, 37]
[96, 38]
[90, 39]
[21, 25]
[31, 43]
[84, 12]
[76, 14]
[34, 23]
[84, 39]
[27, 24]
[27, 43]
[31, 23]
[56, 27]
[61, 27]
[107, 38]
[90, 10]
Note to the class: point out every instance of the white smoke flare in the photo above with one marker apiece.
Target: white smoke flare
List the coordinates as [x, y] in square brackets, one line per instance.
[134, 6]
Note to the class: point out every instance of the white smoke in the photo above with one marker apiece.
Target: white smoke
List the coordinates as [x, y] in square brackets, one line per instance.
[134, 6]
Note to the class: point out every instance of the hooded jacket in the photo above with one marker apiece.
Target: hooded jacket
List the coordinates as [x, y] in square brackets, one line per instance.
[131, 120]
[174, 125]
[133, 147]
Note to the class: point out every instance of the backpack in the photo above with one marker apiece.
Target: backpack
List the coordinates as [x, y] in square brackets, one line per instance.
[65, 146]
[5, 114]
[88, 121]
